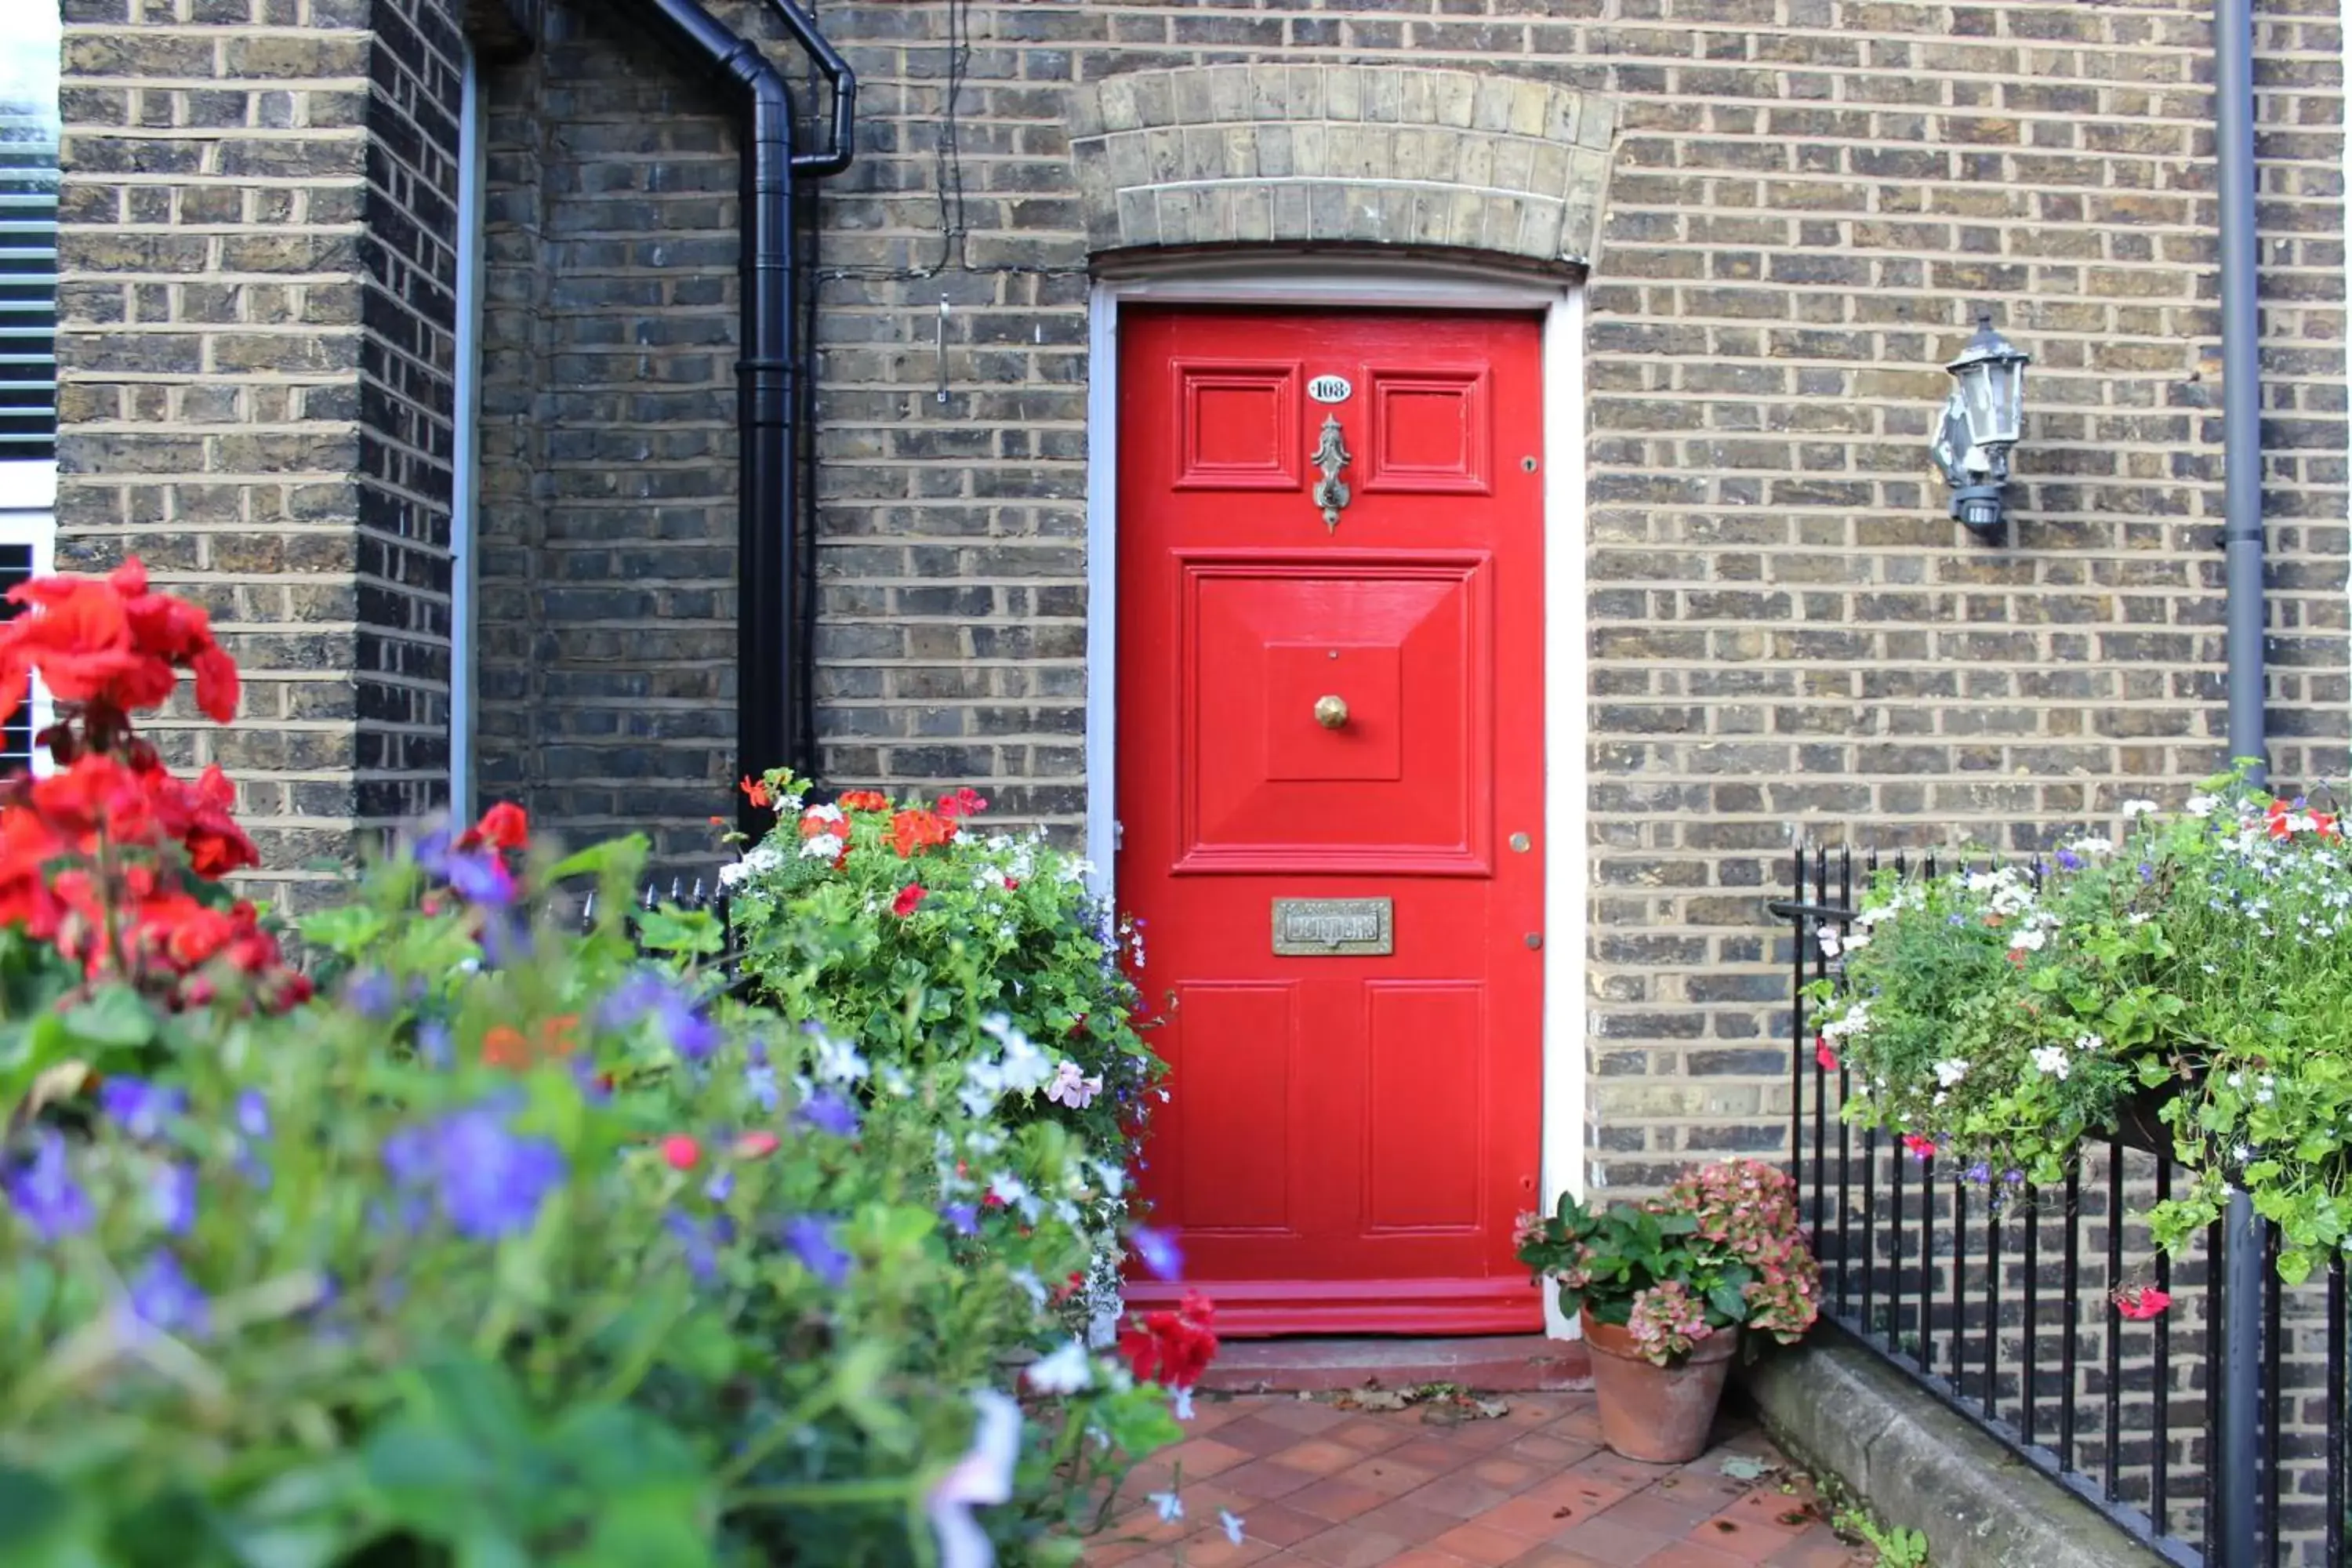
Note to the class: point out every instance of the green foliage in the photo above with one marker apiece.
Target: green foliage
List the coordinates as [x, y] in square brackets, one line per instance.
[1719, 1250]
[1001, 933]
[2201, 966]
[513, 1249]
[1897, 1547]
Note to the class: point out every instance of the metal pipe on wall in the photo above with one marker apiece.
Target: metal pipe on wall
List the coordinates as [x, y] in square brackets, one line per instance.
[2236, 1479]
[770, 673]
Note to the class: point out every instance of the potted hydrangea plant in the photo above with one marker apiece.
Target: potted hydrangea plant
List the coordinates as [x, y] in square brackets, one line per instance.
[1667, 1288]
[2181, 986]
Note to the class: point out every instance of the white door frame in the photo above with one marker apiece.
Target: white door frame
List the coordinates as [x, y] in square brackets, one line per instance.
[1299, 281]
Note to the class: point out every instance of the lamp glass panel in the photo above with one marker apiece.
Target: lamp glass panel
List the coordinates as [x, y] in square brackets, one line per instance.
[2006, 381]
[1976, 395]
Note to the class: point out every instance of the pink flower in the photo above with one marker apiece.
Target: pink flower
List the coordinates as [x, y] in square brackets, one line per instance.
[680, 1152]
[1921, 1148]
[2141, 1302]
[1824, 1054]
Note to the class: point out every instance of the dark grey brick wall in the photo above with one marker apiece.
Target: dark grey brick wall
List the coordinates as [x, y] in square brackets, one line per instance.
[606, 634]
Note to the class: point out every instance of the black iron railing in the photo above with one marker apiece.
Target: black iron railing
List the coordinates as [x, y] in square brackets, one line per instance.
[1998, 1297]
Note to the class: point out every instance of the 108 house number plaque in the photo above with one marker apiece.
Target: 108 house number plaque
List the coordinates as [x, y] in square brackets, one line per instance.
[1334, 928]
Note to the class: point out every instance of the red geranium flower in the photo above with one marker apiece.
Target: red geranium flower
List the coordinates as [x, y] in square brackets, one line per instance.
[680, 1152]
[1824, 1054]
[918, 829]
[755, 791]
[109, 644]
[910, 895]
[1172, 1349]
[503, 826]
[2141, 1302]
[1921, 1148]
[864, 800]
[963, 802]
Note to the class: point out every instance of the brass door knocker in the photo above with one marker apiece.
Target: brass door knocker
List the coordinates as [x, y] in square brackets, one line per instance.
[1331, 456]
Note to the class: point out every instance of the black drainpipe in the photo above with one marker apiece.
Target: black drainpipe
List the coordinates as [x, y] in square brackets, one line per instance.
[2236, 1522]
[771, 677]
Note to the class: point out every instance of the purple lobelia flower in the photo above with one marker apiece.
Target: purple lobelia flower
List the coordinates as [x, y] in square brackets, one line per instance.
[962, 1218]
[830, 1113]
[173, 1195]
[810, 1239]
[486, 1180]
[690, 1034]
[432, 1043]
[163, 1299]
[761, 1080]
[477, 875]
[504, 937]
[1158, 1251]
[371, 994]
[699, 1239]
[2070, 860]
[44, 1191]
[251, 1116]
[141, 1108]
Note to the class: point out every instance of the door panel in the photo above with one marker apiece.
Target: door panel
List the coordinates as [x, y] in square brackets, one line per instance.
[1343, 712]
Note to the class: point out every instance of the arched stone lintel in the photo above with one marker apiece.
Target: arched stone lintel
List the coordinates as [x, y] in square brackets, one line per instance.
[1385, 155]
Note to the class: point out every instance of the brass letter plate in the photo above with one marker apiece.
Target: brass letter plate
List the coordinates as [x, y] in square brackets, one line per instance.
[1333, 928]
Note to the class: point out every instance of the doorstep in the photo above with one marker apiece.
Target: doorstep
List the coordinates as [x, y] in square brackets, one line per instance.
[1494, 1363]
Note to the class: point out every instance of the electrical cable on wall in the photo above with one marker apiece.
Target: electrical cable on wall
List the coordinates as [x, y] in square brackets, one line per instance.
[950, 156]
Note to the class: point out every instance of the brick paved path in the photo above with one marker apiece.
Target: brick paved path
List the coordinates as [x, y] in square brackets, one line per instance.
[1319, 1486]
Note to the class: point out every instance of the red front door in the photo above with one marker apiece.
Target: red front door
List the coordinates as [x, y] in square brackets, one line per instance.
[1331, 790]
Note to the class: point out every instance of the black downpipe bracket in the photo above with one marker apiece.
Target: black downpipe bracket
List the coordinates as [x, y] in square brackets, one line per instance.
[771, 673]
[2236, 1475]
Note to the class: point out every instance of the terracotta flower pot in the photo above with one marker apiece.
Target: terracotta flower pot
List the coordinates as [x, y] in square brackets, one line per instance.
[1658, 1413]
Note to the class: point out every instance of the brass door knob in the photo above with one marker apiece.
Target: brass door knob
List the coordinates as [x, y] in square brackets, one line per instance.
[1330, 712]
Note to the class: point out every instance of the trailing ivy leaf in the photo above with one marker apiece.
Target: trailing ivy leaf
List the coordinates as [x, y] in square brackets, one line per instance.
[347, 932]
[675, 931]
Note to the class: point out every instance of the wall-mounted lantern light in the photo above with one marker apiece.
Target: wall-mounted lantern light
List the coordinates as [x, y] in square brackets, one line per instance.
[1981, 422]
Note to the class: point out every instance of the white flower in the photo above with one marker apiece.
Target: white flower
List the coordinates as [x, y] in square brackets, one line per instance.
[1169, 1505]
[1067, 1371]
[2094, 844]
[2051, 1060]
[2201, 805]
[2027, 939]
[2135, 809]
[981, 1478]
[824, 846]
[1827, 936]
[836, 1062]
[1182, 1405]
[823, 814]
[1951, 1070]
[2087, 1042]
[1027, 1279]
[1857, 942]
[731, 874]
[1232, 1524]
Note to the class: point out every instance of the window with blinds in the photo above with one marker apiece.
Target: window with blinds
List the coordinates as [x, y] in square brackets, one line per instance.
[29, 276]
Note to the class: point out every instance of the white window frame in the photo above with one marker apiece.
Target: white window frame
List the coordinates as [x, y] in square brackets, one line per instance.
[28, 515]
